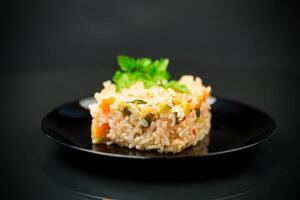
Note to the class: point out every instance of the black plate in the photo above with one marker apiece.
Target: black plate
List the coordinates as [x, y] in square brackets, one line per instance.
[235, 126]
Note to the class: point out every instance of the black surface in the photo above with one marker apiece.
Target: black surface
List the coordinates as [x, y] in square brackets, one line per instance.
[235, 127]
[57, 51]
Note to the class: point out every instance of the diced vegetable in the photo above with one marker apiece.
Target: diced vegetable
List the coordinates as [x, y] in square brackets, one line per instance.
[105, 104]
[149, 119]
[176, 118]
[163, 107]
[126, 111]
[138, 101]
[187, 108]
[100, 131]
[147, 109]
[197, 110]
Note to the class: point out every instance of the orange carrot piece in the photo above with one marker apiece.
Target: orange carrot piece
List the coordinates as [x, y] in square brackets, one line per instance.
[102, 130]
[105, 104]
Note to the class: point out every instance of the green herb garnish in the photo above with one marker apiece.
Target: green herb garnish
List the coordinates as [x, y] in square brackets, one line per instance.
[176, 86]
[197, 112]
[126, 111]
[149, 119]
[138, 101]
[150, 72]
[176, 118]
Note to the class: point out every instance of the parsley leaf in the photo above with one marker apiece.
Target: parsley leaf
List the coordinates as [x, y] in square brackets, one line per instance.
[126, 63]
[178, 87]
[150, 72]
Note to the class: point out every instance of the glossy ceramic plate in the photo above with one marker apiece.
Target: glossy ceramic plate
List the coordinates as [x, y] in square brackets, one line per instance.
[235, 127]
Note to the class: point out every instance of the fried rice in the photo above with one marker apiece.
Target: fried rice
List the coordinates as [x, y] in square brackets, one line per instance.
[152, 118]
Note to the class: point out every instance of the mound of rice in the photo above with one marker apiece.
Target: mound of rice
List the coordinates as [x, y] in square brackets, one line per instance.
[152, 119]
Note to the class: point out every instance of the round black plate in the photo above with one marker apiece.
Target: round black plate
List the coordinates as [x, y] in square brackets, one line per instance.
[235, 126]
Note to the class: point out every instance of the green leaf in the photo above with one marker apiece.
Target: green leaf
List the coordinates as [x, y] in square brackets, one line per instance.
[149, 83]
[123, 81]
[150, 72]
[163, 64]
[140, 76]
[143, 63]
[163, 75]
[178, 87]
[117, 76]
[126, 63]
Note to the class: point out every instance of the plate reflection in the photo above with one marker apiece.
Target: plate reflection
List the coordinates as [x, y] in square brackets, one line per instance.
[92, 177]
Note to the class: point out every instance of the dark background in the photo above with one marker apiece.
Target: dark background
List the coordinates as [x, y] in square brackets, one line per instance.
[57, 51]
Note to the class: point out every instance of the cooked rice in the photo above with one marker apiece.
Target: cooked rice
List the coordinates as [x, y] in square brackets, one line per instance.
[175, 123]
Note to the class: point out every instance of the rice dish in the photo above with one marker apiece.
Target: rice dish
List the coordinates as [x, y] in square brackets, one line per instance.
[166, 116]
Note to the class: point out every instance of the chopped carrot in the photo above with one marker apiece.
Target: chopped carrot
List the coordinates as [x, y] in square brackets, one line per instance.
[102, 130]
[105, 104]
[206, 93]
